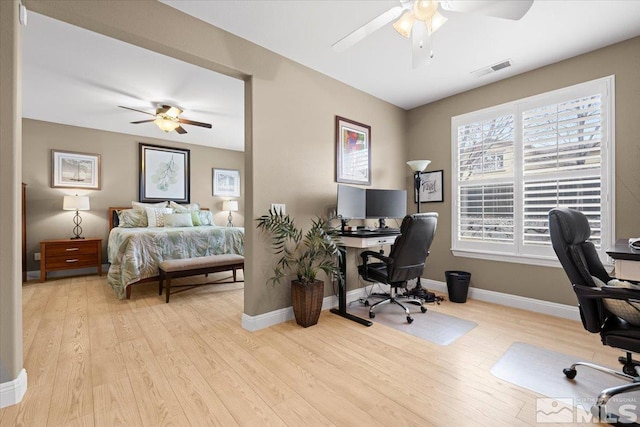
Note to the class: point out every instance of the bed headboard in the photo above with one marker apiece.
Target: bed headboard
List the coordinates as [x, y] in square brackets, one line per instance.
[113, 215]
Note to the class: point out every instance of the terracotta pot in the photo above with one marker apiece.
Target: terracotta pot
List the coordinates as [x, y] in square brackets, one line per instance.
[307, 302]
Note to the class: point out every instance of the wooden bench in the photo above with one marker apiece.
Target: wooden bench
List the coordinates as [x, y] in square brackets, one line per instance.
[174, 268]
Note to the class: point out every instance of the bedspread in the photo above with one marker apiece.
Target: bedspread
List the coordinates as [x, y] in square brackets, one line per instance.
[135, 253]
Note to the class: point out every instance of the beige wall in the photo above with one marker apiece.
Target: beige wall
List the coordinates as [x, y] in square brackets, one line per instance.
[289, 147]
[430, 136]
[120, 171]
[10, 190]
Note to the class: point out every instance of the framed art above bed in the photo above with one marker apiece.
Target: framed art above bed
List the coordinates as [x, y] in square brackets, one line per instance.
[164, 174]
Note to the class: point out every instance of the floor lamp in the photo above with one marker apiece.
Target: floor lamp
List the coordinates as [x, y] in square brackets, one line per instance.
[417, 166]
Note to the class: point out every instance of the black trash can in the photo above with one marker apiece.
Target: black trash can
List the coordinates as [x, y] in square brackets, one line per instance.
[457, 285]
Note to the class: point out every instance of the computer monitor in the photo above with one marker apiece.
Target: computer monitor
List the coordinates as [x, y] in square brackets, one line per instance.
[382, 204]
[351, 203]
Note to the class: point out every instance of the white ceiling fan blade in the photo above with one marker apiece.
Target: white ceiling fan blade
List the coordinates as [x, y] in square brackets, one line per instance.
[421, 51]
[514, 10]
[367, 29]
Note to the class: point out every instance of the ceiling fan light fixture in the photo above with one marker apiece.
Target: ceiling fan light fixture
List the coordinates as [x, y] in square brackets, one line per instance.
[166, 124]
[436, 21]
[404, 25]
[425, 9]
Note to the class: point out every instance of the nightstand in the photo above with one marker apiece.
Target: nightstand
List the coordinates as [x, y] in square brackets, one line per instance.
[69, 254]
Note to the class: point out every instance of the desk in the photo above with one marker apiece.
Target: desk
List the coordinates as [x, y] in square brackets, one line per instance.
[361, 241]
[627, 260]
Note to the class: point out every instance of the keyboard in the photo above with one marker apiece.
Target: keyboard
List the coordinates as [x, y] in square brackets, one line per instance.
[376, 231]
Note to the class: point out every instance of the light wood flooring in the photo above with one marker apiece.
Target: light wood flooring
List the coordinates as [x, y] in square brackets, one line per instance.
[93, 360]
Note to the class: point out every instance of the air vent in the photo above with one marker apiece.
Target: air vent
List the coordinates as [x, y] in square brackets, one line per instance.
[492, 68]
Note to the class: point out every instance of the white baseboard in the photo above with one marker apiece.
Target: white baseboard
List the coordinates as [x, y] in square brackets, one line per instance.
[530, 304]
[12, 392]
[35, 274]
[254, 323]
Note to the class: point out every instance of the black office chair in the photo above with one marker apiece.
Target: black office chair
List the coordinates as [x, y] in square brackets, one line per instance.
[405, 261]
[569, 231]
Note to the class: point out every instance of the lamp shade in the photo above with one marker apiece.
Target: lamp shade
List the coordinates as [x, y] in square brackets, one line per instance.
[75, 203]
[418, 165]
[166, 125]
[230, 205]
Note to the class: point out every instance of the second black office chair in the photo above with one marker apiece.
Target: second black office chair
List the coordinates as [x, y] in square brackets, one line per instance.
[570, 231]
[405, 261]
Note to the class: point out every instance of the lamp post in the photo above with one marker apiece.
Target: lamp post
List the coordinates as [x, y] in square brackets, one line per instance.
[417, 166]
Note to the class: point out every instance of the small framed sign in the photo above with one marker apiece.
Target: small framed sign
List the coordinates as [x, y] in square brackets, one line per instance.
[431, 187]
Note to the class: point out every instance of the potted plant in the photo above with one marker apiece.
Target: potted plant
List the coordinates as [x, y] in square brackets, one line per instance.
[302, 255]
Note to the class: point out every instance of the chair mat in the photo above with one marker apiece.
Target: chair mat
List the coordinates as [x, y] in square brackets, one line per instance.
[438, 328]
[540, 370]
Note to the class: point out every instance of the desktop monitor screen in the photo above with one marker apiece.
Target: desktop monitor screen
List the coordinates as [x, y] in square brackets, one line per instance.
[351, 202]
[386, 203]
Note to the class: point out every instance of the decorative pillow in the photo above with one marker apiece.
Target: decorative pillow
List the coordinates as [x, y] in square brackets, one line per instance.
[142, 206]
[195, 218]
[206, 217]
[132, 218]
[181, 219]
[628, 310]
[177, 207]
[155, 216]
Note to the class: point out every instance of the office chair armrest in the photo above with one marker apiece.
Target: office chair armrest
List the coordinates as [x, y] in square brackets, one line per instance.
[366, 254]
[606, 293]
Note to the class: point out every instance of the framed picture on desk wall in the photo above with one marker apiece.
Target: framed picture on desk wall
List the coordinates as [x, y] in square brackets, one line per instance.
[353, 152]
[431, 187]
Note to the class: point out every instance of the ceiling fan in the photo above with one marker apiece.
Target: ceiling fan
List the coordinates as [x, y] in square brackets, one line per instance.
[168, 119]
[419, 19]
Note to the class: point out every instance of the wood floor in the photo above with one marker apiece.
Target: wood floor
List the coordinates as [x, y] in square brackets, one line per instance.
[93, 360]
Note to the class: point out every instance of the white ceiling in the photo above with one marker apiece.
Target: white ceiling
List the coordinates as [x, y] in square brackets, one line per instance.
[76, 77]
[381, 64]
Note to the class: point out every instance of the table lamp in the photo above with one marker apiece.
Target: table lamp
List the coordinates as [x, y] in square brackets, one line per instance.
[231, 206]
[76, 203]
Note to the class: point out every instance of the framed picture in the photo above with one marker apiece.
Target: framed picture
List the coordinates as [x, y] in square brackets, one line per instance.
[75, 170]
[164, 174]
[431, 187]
[353, 152]
[226, 182]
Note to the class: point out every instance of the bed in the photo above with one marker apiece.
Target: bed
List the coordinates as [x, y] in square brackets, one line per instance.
[136, 252]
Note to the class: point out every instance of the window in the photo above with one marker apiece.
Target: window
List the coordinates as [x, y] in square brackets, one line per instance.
[514, 162]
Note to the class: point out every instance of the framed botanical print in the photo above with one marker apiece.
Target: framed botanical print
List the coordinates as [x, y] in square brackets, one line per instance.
[353, 152]
[70, 169]
[164, 174]
[226, 182]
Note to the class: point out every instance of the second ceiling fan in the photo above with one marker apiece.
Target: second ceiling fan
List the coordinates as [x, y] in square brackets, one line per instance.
[419, 19]
[168, 119]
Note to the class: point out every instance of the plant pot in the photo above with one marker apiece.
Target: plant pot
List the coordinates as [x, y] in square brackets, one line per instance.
[307, 301]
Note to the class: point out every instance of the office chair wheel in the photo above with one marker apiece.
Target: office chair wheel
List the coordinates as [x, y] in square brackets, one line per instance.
[423, 309]
[366, 303]
[570, 373]
[409, 319]
[371, 315]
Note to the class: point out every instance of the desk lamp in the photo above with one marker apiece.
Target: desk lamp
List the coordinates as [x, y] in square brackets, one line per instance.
[76, 203]
[231, 206]
[417, 166]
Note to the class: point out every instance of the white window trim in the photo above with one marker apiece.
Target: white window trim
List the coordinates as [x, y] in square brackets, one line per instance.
[488, 251]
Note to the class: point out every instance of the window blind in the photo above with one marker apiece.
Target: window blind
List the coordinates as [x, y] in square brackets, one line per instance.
[515, 162]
